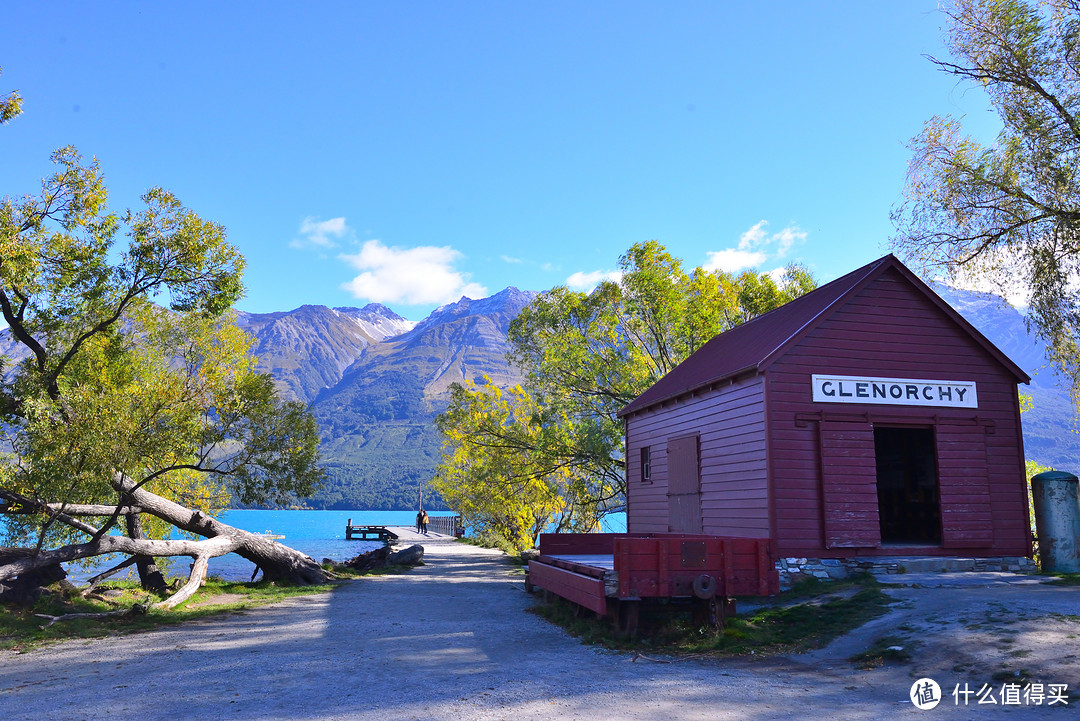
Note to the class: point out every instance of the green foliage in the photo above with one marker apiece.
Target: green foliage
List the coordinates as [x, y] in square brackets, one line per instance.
[116, 386]
[10, 107]
[505, 467]
[584, 357]
[378, 485]
[1007, 213]
[1032, 468]
[373, 464]
[495, 541]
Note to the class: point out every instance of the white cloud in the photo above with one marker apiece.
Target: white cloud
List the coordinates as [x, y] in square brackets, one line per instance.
[320, 233]
[732, 260]
[587, 281]
[787, 239]
[754, 236]
[755, 246]
[508, 259]
[414, 276]
[777, 274]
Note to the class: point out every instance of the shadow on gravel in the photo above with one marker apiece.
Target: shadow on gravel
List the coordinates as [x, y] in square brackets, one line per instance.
[448, 640]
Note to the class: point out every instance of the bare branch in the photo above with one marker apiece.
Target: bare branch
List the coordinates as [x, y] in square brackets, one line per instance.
[40, 507]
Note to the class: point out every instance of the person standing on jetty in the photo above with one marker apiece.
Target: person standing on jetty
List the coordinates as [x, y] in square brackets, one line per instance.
[419, 520]
[423, 521]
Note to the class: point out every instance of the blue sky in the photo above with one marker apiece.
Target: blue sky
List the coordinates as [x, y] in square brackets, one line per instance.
[411, 153]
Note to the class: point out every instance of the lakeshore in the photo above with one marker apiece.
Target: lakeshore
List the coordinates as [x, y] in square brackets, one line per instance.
[319, 534]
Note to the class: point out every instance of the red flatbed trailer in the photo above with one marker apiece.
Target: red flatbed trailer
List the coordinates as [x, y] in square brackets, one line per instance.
[612, 573]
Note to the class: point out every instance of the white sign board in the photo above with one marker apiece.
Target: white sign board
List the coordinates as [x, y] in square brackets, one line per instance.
[894, 391]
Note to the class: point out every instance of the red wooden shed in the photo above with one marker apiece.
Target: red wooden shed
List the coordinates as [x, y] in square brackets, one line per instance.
[866, 418]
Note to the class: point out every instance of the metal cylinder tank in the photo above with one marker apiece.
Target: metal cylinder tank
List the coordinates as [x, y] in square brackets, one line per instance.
[1057, 520]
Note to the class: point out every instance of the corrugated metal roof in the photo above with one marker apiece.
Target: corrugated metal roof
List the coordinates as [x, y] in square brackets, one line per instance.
[756, 343]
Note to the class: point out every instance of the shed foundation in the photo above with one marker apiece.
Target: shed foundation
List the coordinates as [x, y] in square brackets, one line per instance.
[793, 570]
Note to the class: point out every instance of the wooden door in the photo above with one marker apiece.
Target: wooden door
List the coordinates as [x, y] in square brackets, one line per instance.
[684, 485]
[849, 485]
[964, 485]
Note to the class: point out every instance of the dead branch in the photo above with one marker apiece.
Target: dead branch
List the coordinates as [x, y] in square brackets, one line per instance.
[194, 583]
[87, 509]
[133, 611]
[35, 505]
[105, 574]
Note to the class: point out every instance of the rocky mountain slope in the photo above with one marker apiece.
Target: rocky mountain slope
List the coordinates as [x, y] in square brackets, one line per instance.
[308, 349]
[375, 392]
[1050, 427]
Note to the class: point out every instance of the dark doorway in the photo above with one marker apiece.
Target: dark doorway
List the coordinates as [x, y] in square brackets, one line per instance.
[907, 485]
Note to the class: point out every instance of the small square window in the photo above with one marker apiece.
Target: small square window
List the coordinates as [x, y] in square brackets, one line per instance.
[646, 467]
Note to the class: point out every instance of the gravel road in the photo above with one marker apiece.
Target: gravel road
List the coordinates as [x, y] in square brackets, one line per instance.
[452, 640]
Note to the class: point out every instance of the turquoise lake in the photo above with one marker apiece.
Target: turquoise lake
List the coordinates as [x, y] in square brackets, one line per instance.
[319, 534]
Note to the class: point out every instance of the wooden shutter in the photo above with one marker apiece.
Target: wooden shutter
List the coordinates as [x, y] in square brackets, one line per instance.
[684, 485]
[849, 485]
[964, 487]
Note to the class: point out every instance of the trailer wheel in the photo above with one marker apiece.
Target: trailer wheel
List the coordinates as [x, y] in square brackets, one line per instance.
[705, 586]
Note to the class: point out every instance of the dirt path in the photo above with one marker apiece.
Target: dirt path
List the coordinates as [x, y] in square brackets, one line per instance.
[452, 640]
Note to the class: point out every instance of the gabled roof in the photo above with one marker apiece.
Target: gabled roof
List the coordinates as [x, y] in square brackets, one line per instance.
[756, 344]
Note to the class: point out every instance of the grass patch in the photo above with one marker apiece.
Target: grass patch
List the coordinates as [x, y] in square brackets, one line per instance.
[21, 630]
[1021, 676]
[1065, 579]
[497, 543]
[807, 617]
[887, 649]
[491, 541]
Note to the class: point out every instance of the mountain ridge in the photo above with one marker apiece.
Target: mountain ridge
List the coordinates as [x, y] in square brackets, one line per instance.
[375, 382]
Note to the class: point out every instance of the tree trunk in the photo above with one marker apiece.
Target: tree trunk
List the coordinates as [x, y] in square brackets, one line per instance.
[24, 588]
[278, 562]
[17, 561]
[149, 576]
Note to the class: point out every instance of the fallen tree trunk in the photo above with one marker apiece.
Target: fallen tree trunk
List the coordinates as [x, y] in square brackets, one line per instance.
[278, 562]
[24, 589]
[26, 560]
[150, 577]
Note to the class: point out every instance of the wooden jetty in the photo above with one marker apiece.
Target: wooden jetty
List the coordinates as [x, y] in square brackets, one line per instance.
[437, 525]
[368, 533]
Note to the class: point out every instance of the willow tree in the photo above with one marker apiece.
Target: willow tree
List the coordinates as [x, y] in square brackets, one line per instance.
[123, 420]
[1008, 212]
[586, 355]
[10, 106]
[501, 468]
